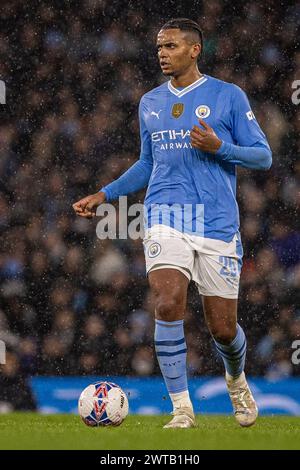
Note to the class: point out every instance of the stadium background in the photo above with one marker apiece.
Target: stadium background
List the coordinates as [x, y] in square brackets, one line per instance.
[74, 73]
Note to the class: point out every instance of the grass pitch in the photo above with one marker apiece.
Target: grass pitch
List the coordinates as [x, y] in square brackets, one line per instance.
[34, 431]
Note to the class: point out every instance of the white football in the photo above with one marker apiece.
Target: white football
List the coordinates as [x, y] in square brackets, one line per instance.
[103, 404]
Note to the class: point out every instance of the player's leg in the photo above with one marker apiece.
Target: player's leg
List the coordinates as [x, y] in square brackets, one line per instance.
[169, 287]
[221, 319]
[217, 277]
[229, 338]
[169, 264]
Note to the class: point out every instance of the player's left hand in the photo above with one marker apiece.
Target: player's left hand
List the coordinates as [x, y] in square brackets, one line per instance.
[205, 139]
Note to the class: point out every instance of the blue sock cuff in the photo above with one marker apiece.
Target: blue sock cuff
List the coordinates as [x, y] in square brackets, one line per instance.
[234, 354]
[240, 336]
[169, 323]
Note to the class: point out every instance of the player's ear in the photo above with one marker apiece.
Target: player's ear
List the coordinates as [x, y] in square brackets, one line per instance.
[196, 51]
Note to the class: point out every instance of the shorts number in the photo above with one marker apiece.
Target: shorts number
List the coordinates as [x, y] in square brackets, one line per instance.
[229, 266]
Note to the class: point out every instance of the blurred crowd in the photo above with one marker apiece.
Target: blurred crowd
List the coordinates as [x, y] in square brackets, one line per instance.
[75, 72]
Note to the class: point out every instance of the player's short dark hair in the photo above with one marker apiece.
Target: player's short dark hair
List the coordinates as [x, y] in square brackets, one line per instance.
[185, 24]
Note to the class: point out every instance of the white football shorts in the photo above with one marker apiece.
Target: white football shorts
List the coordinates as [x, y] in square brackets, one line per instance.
[214, 265]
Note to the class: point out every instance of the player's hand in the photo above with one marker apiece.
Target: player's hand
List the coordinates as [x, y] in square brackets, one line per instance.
[205, 139]
[87, 206]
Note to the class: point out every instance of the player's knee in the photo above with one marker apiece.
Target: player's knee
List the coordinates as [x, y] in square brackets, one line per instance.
[168, 309]
[224, 335]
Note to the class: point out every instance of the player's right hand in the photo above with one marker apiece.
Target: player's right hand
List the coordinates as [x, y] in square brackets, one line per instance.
[87, 206]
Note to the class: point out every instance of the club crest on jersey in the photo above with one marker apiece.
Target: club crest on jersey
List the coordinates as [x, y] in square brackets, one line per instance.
[202, 111]
[177, 110]
[154, 250]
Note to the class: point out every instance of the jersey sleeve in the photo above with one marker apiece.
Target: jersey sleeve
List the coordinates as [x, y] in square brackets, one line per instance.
[246, 131]
[250, 148]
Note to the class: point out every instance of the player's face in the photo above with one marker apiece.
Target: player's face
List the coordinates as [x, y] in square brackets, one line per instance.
[175, 53]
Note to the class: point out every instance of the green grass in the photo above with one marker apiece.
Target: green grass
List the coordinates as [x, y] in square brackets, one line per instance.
[34, 431]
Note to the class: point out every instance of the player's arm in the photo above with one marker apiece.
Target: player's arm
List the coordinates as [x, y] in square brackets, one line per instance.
[256, 157]
[252, 149]
[134, 179]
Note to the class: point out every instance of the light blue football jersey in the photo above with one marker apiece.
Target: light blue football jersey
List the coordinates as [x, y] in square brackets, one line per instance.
[184, 175]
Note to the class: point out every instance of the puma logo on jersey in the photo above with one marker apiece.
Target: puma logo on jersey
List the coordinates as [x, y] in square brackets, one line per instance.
[156, 114]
